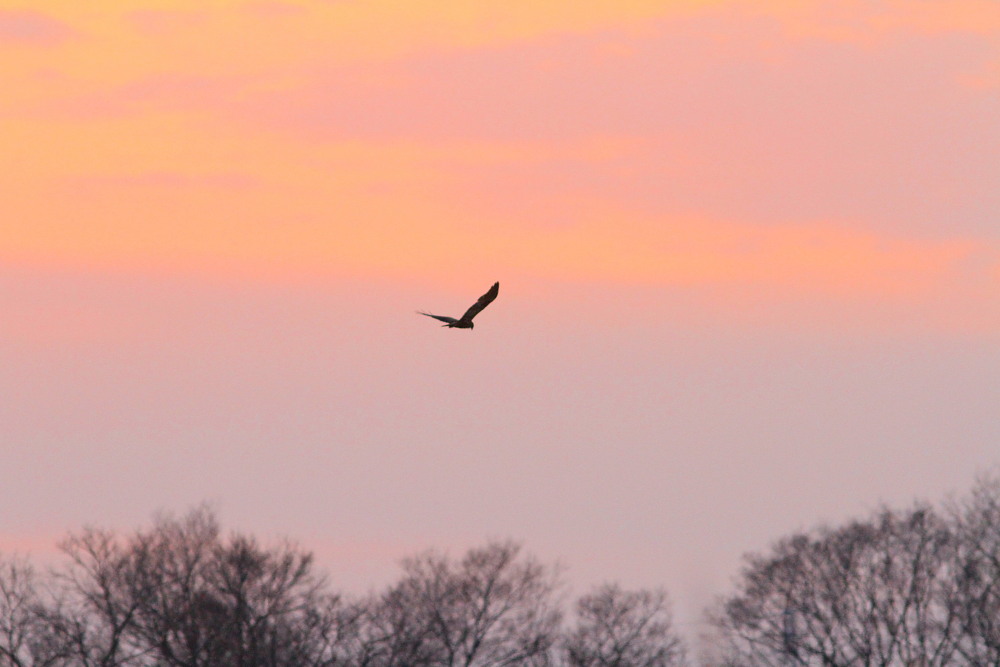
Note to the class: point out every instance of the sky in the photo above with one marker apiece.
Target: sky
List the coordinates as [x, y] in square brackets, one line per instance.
[748, 253]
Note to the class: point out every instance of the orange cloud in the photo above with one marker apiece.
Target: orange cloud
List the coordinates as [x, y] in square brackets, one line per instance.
[389, 210]
[981, 17]
[231, 37]
[164, 192]
[867, 22]
[239, 37]
[234, 37]
[215, 145]
[30, 27]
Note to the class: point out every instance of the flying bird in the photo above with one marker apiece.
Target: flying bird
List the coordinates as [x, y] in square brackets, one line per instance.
[465, 321]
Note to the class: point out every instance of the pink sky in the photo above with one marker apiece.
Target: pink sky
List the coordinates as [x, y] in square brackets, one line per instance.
[749, 257]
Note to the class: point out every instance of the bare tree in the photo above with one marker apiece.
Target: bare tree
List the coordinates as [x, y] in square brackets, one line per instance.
[619, 628]
[180, 595]
[213, 601]
[94, 602]
[976, 594]
[331, 634]
[25, 636]
[17, 602]
[491, 608]
[181, 619]
[874, 592]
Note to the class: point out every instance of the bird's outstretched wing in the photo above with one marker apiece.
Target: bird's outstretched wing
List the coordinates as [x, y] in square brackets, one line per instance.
[484, 301]
[443, 318]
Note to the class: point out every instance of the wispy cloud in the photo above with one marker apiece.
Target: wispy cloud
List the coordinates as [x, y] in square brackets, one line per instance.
[790, 146]
[31, 27]
[154, 22]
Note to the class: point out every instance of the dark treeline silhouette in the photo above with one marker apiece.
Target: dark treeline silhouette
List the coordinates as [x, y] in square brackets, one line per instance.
[915, 587]
[180, 594]
[919, 586]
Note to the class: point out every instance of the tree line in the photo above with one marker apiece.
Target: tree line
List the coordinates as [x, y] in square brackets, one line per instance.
[915, 586]
[912, 587]
[181, 594]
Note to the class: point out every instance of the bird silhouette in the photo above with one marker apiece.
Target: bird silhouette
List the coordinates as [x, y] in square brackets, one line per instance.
[465, 321]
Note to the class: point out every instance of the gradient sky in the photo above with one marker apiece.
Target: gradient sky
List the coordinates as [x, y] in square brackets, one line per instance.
[749, 256]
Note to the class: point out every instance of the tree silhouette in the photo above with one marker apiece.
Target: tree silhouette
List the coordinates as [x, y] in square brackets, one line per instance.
[919, 586]
[616, 627]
